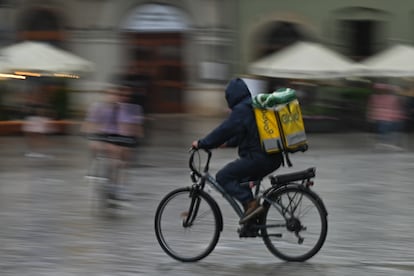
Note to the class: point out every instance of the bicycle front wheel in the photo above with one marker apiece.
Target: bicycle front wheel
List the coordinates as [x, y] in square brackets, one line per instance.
[295, 224]
[187, 224]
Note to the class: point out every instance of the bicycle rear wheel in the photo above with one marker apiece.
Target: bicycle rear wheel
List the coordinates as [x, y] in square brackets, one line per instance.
[187, 224]
[301, 232]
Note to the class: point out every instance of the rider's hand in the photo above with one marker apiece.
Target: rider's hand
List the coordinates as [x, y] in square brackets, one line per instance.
[195, 144]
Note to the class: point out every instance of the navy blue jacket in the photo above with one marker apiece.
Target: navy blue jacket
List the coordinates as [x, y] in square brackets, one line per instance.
[239, 129]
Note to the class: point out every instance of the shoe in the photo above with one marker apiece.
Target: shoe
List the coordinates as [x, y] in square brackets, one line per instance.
[252, 209]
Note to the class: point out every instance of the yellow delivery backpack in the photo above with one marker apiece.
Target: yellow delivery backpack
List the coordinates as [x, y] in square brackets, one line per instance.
[280, 123]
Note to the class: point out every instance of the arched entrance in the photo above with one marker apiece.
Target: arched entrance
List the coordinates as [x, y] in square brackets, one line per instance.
[362, 31]
[156, 36]
[276, 35]
[41, 24]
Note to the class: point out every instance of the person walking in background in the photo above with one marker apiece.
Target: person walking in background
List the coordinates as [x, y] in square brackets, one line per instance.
[114, 127]
[386, 111]
[37, 125]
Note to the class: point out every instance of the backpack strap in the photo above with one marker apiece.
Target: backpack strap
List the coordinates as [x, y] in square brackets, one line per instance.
[286, 154]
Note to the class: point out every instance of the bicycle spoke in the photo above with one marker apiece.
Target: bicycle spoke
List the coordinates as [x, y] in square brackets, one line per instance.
[295, 225]
[200, 216]
[305, 211]
[292, 206]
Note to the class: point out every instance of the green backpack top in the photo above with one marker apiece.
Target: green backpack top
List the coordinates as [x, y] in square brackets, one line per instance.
[280, 96]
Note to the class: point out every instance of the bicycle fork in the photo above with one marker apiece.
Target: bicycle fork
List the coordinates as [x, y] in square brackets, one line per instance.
[193, 209]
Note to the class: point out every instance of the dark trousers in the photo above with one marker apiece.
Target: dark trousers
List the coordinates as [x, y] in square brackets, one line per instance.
[244, 169]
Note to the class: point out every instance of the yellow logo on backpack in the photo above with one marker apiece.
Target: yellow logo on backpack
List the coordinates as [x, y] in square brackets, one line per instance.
[292, 126]
[268, 127]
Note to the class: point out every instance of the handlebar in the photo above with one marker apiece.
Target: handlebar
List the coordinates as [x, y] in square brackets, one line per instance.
[191, 161]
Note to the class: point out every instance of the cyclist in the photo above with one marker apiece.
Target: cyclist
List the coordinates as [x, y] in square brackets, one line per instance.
[240, 130]
[114, 126]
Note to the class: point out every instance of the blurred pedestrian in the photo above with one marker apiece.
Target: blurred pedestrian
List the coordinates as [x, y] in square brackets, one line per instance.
[115, 128]
[37, 124]
[386, 111]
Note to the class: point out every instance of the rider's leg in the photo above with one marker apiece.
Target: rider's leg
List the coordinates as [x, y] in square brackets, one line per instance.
[229, 178]
[231, 175]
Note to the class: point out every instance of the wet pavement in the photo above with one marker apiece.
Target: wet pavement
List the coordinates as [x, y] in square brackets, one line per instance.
[49, 223]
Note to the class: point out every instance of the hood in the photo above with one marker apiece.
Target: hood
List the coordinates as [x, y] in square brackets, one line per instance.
[236, 92]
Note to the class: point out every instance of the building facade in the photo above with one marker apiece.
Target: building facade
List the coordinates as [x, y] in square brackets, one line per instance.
[181, 53]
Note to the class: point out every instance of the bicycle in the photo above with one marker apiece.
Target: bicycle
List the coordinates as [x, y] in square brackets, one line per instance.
[104, 172]
[293, 225]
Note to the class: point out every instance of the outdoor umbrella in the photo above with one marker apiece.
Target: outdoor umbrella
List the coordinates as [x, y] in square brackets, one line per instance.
[42, 58]
[395, 61]
[305, 60]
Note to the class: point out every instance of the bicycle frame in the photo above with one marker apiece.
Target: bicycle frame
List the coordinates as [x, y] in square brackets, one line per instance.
[207, 177]
[200, 179]
[213, 183]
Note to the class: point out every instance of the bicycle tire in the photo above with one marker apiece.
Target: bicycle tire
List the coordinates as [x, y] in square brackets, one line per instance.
[187, 243]
[283, 241]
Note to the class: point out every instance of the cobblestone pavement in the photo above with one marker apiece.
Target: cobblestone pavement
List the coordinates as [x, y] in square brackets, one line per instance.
[49, 224]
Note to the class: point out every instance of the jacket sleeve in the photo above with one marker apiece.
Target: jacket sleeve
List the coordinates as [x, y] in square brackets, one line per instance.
[233, 142]
[227, 131]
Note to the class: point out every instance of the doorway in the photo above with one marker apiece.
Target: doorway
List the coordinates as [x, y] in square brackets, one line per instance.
[157, 58]
[156, 39]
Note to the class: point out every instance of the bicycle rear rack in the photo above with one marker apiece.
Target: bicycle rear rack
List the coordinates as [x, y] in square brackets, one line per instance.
[291, 177]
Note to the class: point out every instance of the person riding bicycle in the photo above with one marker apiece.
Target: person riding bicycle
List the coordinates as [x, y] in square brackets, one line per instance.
[114, 127]
[240, 130]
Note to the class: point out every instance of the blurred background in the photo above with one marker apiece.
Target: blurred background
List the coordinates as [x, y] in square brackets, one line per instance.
[179, 55]
[351, 63]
